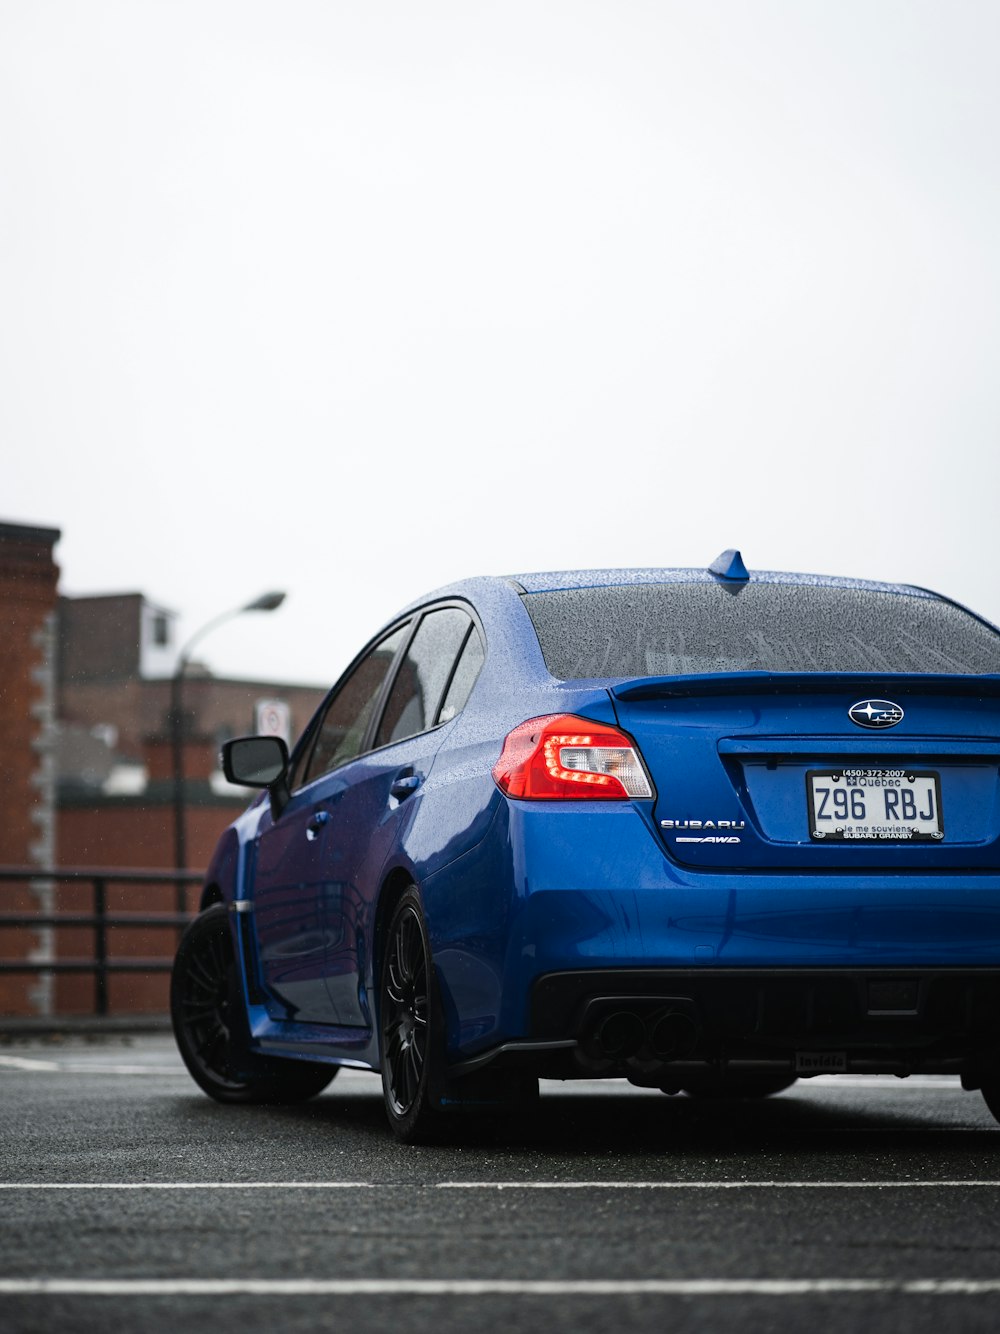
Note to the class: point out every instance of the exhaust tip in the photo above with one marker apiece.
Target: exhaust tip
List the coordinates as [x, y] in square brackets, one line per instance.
[672, 1035]
[619, 1034]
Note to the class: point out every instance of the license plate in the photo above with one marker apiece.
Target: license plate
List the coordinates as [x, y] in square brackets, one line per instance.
[874, 806]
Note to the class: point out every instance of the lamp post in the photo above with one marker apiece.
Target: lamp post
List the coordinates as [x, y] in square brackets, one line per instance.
[266, 602]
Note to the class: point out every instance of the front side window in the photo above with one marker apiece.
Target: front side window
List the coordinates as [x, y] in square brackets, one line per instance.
[342, 731]
[423, 675]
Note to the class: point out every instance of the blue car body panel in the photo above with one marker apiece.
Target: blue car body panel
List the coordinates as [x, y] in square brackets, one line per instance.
[716, 870]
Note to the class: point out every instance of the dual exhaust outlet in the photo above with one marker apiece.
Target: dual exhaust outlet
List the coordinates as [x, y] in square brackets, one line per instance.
[669, 1034]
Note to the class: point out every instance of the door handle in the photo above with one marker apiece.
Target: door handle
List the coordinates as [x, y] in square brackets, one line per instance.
[315, 826]
[404, 786]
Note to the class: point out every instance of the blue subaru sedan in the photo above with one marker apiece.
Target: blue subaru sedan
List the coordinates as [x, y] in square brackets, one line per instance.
[703, 829]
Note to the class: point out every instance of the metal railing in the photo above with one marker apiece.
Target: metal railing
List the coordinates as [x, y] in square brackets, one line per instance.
[101, 962]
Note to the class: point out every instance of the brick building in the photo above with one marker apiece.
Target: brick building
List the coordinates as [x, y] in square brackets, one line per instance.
[86, 715]
[116, 658]
[28, 579]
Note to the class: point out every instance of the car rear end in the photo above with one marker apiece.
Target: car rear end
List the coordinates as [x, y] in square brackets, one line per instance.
[809, 881]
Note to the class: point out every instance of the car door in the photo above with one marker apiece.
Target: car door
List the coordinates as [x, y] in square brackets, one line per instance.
[379, 794]
[296, 895]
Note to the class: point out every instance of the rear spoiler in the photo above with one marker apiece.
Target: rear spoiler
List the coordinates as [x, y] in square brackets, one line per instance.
[874, 684]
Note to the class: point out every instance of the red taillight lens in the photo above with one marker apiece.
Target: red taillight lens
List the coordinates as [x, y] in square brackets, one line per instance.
[560, 757]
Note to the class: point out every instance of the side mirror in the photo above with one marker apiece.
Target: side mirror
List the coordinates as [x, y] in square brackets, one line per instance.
[254, 761]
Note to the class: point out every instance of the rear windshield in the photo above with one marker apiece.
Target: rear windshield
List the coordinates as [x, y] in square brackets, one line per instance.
[687, 629]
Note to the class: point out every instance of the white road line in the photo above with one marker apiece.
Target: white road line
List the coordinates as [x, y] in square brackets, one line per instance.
[23, 1063]
[378, 1287]
[704, 1185]
[123, 1070]
[922, 1184]
[198, 1185]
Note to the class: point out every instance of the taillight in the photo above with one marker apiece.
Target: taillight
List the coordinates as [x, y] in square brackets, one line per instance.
[560, 757]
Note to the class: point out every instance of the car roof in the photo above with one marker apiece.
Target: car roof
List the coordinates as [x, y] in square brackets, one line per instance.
[559, 580]
[493, 587]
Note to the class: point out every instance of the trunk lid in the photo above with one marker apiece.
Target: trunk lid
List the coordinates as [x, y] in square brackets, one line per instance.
[750, 768]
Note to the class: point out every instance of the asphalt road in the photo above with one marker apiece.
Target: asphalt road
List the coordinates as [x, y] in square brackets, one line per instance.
[128, 1200]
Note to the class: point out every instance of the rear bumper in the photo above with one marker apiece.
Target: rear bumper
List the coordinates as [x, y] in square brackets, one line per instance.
[807, 1021]
[660, 1026]
[561, 893]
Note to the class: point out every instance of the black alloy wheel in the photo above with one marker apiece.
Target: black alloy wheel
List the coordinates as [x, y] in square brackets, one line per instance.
[411, 1046]
[210, 1023]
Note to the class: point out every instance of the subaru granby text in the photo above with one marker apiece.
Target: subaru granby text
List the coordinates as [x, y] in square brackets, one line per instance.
[702, 829]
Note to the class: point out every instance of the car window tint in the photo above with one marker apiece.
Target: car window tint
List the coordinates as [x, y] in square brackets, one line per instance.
[423, 674]
[691, 628]
[473, 657]
[343, 728]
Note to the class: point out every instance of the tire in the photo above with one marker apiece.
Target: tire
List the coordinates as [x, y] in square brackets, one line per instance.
[420, 1099]
[990, 1090]
[210, 1023]
[411, 1040]
[732, 1085]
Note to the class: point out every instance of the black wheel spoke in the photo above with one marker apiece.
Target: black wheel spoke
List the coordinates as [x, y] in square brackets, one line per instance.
[200, 972]
[395, 986]
[407, 1077]
[416, 1055]
[404, 951]
[199, 994]
[211, 1049]
[394, 1042]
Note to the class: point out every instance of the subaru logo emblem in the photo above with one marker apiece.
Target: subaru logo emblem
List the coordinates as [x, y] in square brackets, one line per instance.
[875, 713]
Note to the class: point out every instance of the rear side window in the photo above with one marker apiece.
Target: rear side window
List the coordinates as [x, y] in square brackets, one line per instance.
[342, 731]
[423, 675]
[466, 672]
[689, 629]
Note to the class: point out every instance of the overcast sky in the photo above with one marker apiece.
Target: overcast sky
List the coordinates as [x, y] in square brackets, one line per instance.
[353, 299]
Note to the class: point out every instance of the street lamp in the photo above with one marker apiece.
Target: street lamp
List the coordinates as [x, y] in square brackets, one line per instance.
[266, 602]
